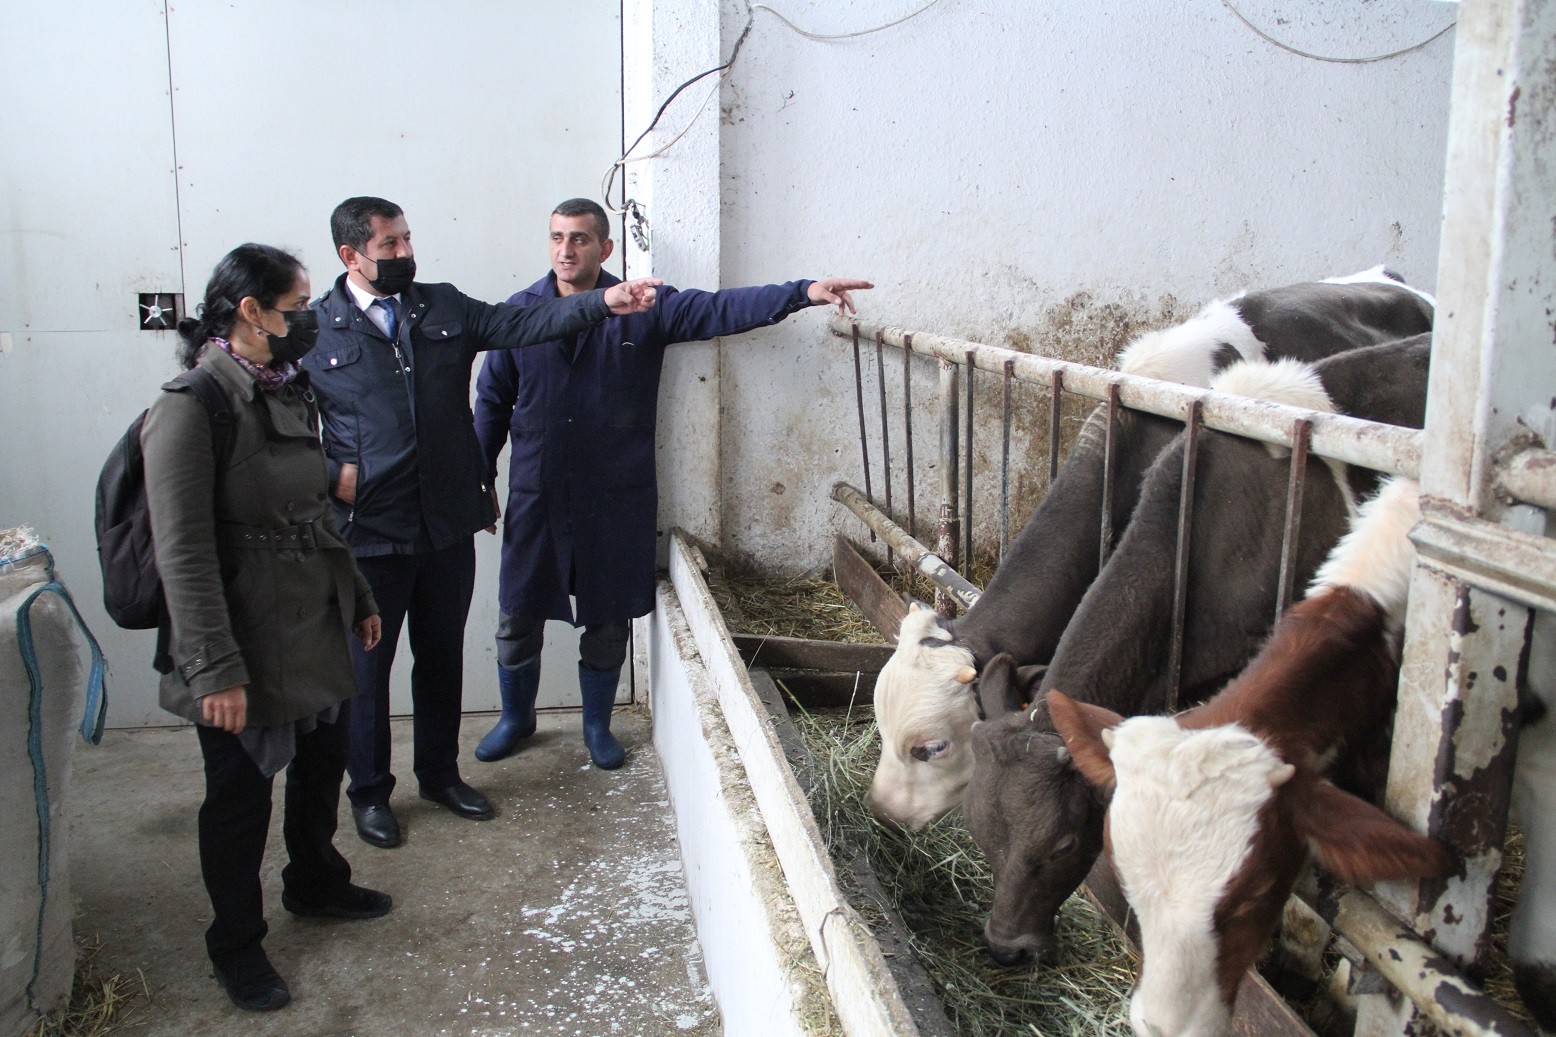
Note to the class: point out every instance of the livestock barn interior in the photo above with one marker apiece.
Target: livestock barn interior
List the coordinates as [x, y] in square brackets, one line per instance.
[1029, 188]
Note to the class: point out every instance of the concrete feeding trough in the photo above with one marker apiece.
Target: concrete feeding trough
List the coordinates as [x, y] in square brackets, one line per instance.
[785, 951]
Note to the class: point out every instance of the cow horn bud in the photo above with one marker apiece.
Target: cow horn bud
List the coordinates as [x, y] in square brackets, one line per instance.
[966, 675]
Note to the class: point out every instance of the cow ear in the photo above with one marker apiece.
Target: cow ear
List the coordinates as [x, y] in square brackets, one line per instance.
[999, 687]
[1358, 843]
[1087, 733]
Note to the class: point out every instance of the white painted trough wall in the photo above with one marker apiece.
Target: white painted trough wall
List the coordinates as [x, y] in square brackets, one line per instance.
[988, 163]
[718, 829]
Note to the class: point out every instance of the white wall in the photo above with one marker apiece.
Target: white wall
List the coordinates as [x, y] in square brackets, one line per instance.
[476, 117]
[1031, 173]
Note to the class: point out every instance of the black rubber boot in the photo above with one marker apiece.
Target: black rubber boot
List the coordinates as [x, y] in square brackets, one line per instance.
[598, 691]
[518, 686]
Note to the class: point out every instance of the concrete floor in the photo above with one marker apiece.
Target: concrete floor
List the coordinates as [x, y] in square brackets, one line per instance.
[566, 914]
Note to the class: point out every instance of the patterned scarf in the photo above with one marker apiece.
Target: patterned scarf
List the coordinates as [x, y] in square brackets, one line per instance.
[270, 377]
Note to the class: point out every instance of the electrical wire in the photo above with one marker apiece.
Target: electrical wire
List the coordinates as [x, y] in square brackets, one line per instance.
[1340, 61]
[608, 181]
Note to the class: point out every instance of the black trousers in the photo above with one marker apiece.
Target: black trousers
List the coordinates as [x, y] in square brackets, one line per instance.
[430, 592]
[234, 820]
[603, 646]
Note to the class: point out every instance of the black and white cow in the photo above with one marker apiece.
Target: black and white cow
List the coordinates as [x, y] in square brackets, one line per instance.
[1032, 813]
[924, 708]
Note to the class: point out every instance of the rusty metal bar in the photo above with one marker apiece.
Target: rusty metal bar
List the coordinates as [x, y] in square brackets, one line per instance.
[1418, 971]
[907, 425]
[1180, 568]
[947, 529]
[946, 579]
[1004, 459]
[1109, 463]
[1056, 397]
[880, 381]
[1384, 448]
[864, 440]
[1296, 485]
[1529, 476]
[967, 478]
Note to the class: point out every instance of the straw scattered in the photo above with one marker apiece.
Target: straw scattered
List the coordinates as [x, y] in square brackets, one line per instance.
[99, 1005]
[941, 886]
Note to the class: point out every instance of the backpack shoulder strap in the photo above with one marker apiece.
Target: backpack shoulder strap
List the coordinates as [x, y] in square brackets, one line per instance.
[217, 408]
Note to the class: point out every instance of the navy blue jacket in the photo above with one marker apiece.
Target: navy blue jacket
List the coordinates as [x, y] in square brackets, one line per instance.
[580, 411]
[400, 411]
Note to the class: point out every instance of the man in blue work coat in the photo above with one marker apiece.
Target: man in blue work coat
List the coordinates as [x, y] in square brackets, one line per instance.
[582, 499]
[391, 369]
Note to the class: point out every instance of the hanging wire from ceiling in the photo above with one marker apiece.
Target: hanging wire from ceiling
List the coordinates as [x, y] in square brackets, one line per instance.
[1339, 61]
[633, 213]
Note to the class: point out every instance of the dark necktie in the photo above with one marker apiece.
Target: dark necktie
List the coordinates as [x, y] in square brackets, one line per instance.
[391, 317]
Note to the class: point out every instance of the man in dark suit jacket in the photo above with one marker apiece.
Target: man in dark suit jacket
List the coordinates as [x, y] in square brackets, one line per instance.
[392, 372]
[582, 499]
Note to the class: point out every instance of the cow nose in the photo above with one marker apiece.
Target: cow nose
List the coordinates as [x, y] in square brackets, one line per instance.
[885, 820]
[1010, 956]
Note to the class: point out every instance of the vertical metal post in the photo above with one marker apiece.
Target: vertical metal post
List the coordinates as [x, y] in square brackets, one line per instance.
[1301, 433]
[1010, 368]
[864, 442]
[1180, 570]
[1055, 397]
[907, 426]
[1109, 462]
[880, 380]
[967, 475]
[948, 529]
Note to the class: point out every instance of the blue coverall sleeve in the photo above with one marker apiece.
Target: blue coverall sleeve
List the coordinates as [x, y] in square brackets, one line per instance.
[496, 391]
[693, 315]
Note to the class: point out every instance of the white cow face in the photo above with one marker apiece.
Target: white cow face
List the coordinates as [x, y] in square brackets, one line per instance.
[925, 710]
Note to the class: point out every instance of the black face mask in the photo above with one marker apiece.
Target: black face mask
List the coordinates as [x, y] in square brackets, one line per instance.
[394, 275]
[302, 331]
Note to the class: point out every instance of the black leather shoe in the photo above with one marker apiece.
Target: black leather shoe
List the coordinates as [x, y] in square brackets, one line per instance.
[377, 826]
[254, 986]
[353, 902]
[462, 800]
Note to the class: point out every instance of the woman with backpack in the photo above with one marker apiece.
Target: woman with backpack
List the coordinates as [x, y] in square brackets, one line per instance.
[260, 592]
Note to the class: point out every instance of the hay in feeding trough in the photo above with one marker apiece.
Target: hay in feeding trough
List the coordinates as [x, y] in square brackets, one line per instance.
[942, 886]
[806, 607]
[98, 1005]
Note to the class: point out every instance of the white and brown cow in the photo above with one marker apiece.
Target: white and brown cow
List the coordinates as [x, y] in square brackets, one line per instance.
[925, 708]
[1034, 816]
[1214, 811]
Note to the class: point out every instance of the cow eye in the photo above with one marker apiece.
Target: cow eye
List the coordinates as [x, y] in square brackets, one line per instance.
[1065, 848]
[930, 751]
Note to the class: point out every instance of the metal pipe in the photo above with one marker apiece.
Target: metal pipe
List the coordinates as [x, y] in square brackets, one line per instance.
[907, 426]
[1109, 463]
[1295, 487]
[1418, 971]
[1055, 398]
[947, 529]
[914, 553]
[967, 478]
[1515, 565]
[880, 381]
[1180, 567]
[1004, 460]
[864, 441]
[1384, 448]
[1529, 476]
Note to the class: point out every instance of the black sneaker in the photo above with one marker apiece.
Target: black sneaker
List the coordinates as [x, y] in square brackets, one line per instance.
[254, 987]
[353, 902]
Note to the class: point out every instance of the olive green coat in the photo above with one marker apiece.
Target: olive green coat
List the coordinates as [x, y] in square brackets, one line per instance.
[275, 620]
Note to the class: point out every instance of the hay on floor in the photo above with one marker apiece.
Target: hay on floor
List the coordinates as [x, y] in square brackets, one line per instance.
[99, 1005]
